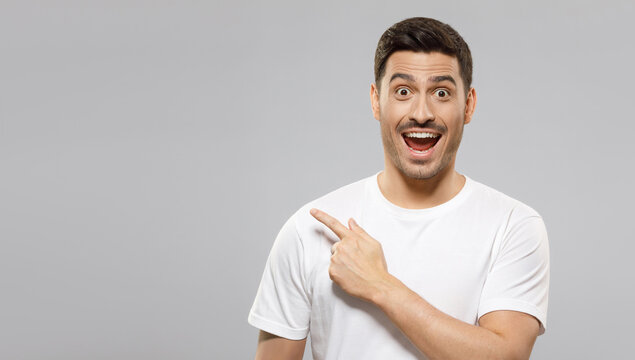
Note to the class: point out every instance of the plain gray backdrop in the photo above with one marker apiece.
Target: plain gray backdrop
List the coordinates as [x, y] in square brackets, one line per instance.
[150, 151]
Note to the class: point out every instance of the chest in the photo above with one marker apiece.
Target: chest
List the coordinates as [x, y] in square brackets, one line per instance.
[444, 262]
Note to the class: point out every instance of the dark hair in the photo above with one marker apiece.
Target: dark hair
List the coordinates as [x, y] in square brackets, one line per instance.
[422, 34]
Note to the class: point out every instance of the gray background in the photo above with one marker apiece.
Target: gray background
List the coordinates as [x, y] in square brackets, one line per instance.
[151, 150]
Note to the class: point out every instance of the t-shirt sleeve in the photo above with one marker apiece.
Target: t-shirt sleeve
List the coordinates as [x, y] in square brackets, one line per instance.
[282, 306]
[519, 278]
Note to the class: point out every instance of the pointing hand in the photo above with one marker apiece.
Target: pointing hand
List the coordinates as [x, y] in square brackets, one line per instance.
[358, 264]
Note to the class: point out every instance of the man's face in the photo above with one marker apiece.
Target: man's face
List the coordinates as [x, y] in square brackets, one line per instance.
[421, 93]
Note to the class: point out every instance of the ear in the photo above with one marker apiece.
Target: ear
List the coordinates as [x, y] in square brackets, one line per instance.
[374, 100]
[470, 105]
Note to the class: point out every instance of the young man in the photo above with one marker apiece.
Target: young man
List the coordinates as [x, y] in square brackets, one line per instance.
[416, 261]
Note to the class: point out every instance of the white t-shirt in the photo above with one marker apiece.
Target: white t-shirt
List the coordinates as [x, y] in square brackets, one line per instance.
[480, 251]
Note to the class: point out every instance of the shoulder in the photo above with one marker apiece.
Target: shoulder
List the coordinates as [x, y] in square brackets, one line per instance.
[340, 203]
[495, 201]
[516, 221]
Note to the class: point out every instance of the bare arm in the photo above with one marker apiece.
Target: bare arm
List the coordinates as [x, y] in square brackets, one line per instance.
[501, 334]
[272, 347]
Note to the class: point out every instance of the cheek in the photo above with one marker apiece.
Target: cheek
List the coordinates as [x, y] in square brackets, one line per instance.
[452, 115]
[393, 112]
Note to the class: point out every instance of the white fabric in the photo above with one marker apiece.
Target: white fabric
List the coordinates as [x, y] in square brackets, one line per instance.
[481, 251]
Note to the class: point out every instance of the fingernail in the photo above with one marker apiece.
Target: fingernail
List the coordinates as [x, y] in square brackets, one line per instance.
[313, 211]
[353, 222]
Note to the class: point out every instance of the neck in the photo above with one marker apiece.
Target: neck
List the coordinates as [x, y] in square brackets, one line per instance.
[412, 193]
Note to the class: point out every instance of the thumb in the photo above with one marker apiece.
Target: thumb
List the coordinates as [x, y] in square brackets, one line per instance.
[355, 227]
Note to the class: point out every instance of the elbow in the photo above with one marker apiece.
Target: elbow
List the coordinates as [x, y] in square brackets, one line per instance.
[516, 353]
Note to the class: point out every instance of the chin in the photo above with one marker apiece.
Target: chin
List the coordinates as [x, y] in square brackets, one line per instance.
[419, 172]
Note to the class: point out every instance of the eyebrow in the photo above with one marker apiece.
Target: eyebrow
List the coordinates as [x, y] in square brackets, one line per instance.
[440, 78]
[406, 77]
[434, 79]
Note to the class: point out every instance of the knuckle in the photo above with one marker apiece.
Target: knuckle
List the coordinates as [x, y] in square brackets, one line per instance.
[331, 273]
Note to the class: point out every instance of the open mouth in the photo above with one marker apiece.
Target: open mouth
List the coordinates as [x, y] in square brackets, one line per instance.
[421, 142]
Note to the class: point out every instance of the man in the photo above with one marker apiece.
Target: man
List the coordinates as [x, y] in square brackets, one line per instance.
[416, 261]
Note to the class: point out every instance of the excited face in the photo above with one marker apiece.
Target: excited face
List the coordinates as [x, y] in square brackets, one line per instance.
[421, 106]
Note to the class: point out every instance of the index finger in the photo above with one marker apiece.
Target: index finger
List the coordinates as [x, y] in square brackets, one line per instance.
[330, 222]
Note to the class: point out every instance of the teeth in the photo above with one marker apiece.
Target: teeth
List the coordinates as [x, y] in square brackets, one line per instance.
[422, 135]
[419, 152]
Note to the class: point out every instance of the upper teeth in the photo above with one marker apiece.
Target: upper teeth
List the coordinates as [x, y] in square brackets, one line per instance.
[421, 135]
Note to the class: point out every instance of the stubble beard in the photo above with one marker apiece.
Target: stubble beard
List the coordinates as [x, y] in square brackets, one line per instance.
[420, 170]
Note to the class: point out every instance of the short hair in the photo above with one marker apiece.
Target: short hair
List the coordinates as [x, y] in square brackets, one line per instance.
[426, 35]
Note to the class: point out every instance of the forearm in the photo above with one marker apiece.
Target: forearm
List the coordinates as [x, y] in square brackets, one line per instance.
[436, 334]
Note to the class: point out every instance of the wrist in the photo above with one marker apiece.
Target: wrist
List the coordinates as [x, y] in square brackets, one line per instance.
[386, 290]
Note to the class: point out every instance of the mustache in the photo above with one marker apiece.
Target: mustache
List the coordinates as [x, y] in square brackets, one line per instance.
[427, 126]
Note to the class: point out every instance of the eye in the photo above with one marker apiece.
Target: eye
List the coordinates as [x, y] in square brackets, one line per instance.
[442, 93]
[403, 92]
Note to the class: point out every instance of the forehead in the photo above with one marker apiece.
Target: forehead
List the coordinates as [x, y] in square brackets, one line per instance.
[421, 65]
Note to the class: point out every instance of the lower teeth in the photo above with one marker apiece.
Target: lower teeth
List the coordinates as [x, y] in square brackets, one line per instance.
[419, 151]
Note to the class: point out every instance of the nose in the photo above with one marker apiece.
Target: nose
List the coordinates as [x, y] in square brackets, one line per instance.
[421, 110]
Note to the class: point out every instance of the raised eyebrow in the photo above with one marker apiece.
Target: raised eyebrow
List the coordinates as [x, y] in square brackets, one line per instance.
[406, 77]
[441, 78]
